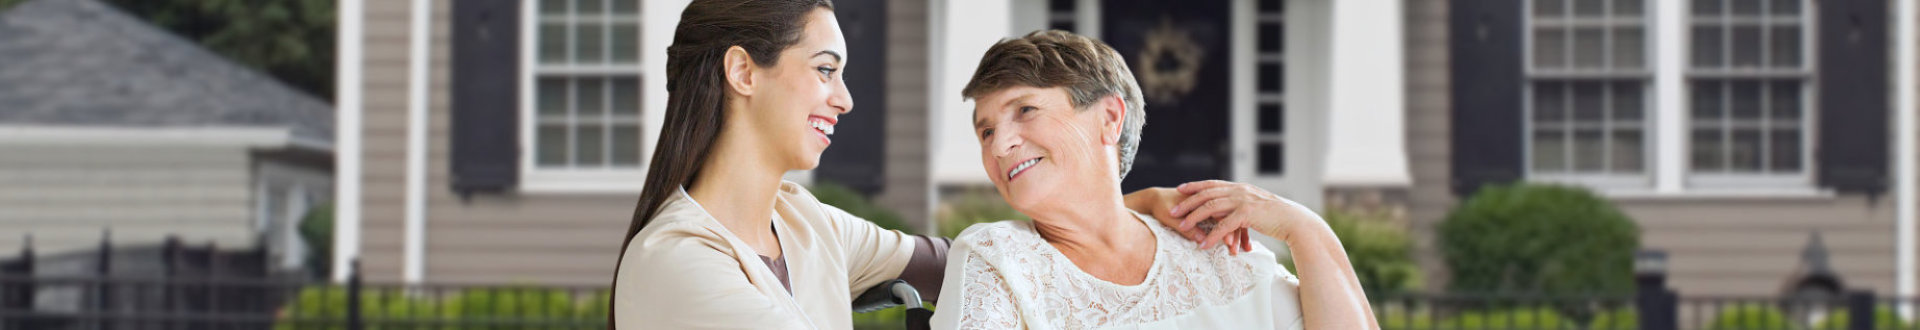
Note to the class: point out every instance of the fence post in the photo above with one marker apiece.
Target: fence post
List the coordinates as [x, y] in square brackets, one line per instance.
[1657, 305]
[1860, 310]
[19, 297]
[353, 296]
[102, 273]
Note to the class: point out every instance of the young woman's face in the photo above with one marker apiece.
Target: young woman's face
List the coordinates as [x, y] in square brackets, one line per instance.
[1036, 147]
[797, 101]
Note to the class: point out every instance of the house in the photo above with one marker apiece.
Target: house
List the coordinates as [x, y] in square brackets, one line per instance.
[108, 123]
[1731, 130]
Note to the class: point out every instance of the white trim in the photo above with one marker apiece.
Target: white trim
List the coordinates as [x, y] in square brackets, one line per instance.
[141, 136]
[1241, 114]
[414, 249]
[1086, 18]
[1904, 151]
[346, 225]
[657, 22]
[1366, 144]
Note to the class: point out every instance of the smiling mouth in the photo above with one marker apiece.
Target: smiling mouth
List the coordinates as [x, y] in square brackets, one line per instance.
[1022, 167]
[821, 124]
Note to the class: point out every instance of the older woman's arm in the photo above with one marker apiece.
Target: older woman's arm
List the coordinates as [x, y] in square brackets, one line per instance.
[1330, 293]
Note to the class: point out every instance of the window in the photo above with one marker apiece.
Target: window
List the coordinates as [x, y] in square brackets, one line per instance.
[1269, 108]
[1586, 90]
[1748, 86]
[585, 87]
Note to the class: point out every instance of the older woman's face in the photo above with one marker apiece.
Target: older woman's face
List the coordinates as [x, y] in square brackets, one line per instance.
[1036, 146]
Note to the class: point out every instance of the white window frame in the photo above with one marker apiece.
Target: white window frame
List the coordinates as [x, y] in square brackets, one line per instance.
[1810, 112]
[1603, 181]
[535, 179]
[1667, 130]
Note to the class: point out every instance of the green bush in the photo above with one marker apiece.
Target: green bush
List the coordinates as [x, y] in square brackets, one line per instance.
[854, 203]
[1750, 316]
[1379, 250]
[325, 308]
[1544, 239]
[1883, 318]
[316, 228]
[974, 206]
[885, 319]
[1531, 318]
[1619, 319]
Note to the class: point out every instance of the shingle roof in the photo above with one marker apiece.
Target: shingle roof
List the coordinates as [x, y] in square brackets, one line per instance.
[86, 63]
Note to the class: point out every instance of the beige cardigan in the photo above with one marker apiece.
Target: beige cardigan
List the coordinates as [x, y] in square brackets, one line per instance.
[686, 271]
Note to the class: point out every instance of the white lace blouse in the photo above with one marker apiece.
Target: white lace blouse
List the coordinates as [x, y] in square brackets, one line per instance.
[1002, 275]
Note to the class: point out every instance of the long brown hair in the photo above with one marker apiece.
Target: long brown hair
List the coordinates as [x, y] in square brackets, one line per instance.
[696, 94]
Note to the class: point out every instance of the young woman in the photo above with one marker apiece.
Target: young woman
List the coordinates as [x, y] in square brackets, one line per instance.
[717, 240]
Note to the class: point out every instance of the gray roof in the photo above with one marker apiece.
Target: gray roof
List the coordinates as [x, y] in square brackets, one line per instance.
[86, 63]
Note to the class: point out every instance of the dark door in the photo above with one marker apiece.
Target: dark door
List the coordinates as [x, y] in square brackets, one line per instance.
[857, 158]
[1178, 50]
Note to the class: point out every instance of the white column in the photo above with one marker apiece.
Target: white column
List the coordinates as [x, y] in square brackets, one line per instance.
[346, 153]
[420, 38]
[1367, 95]
[963, 32]
[1904, 180]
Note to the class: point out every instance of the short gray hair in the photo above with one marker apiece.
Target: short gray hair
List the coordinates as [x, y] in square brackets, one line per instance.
[1088, 69]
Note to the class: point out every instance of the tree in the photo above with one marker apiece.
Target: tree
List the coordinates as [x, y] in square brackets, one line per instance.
[291, 40]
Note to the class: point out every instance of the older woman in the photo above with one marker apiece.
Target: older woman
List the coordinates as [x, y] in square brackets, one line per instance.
[1058, 117]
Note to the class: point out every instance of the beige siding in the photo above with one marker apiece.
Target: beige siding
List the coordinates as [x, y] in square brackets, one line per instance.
[65, 196]
[1727, 246]
[907, 183]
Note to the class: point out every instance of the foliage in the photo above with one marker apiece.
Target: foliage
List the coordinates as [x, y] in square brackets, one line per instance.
[973, 206]
[316, 228]
[1379, 250]
[1532, 318]
[1883, 318]
[1750, 316]
[324, 308]
[1543, 239]
[1619, 319]
[854, 203]
[885, 319]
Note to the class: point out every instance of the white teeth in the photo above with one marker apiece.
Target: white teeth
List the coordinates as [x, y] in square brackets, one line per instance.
[1023, 167]
[824, 127]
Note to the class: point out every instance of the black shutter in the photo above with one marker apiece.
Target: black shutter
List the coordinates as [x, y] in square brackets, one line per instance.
[486, 144]
[1486, 53]
[858, 157]
[1852, 111]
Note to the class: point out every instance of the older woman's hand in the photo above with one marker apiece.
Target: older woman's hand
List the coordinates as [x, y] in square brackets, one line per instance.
[1218, 212]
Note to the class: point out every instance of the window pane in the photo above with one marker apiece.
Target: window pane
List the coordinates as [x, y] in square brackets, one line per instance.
[1708, 7]
[1549, 102]
[1627, 146]
[1270, 78]
[1745, 7]
[1746, 100]
[590, 43]
[1709, 100]
[626, 43]
[1628, 102]
[1784, 100]
[1707, 150]
[1550, 48]
[1746, 46]
[591, 144]
[1271, 35]
[1785, 7]
[591, 103]
[626, 96]
[1589, 7]
[589, 7]
[1786, 150]
[1549, 150]
[1708, 46]
[1629, 50]
[626, 7]
[1629, 8]
[552, 97]
[1588, 102]
[1272, 120]
[1785, 50]
[1589, 47]
[1270, 158]
[626, 145]
[550, 145]
[553, 6]
[1549, 8]
[553, 43]
[1588, 150]
[1745, 155]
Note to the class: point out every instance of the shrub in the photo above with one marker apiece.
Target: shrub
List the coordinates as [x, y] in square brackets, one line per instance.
[971, 207]
[1531, 318]
[1619, 319]
[1379, 251]
[325, 308]
[1750, 316]
[316, 228]
[1539, 239]
[1883, 318]
[854, 203]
